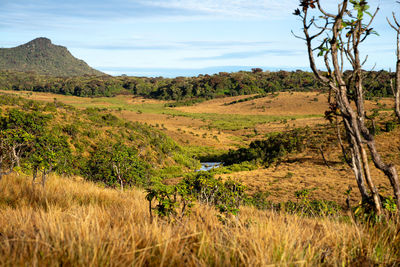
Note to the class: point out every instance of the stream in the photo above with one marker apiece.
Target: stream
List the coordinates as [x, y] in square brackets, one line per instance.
[206, 166]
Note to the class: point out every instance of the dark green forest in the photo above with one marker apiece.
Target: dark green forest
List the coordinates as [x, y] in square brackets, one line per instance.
[376, 83]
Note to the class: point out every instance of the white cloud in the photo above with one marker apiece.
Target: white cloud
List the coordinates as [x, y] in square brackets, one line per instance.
[230, 8]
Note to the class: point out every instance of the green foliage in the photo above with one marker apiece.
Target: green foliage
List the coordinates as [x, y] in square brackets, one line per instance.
[259, 200]
[116, 164]
[170, 199]
[267, 151]
[237, 167]
[13, 143]
[185, 103]
[32, 122]
[71, 129]
[312, 208]
[389, 204]
[246, 99]
[69, 141]
[226, 196]
[390, 126]
[186, 90]
[365, 210]
[49, 152]
[303, 206]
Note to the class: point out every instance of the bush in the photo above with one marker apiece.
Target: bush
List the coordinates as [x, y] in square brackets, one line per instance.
[267, 151]
[226, 196]
[390, 126]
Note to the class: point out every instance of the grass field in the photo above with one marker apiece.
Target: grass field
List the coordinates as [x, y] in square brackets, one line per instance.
[76, 223]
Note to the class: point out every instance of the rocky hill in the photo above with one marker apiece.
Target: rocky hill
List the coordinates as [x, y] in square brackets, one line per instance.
[43, 57]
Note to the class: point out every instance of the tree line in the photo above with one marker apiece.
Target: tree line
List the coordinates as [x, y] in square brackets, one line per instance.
[376, 83]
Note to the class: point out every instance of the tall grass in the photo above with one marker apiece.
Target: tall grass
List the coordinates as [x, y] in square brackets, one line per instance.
[75, 223]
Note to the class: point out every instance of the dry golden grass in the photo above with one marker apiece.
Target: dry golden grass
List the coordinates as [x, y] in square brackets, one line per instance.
[297, 103]
[284, 103]
[75, 223]
[184, 130]
[308, 170]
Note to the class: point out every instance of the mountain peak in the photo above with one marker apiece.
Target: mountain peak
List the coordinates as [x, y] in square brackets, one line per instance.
[43, 57]
[41, 40]
[38, 43]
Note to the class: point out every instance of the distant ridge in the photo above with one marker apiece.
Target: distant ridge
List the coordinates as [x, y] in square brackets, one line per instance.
[43, 57]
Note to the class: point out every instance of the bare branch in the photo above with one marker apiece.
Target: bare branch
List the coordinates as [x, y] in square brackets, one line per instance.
[370, 22]
[298, 37]
[323, 11]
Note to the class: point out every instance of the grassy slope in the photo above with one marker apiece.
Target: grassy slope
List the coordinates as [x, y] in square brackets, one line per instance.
[87, 129]
[76, 223]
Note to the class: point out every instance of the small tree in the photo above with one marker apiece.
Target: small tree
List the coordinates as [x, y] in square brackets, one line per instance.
[48, 152]
[340, 36]
[116, 163]
[126, 165]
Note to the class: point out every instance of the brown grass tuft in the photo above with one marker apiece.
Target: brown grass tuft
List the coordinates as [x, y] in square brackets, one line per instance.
[78, 223]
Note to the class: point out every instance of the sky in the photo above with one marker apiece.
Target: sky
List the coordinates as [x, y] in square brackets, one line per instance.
[172, 38]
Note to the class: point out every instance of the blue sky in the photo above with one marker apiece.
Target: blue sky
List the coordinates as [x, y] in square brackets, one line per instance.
[179, 37]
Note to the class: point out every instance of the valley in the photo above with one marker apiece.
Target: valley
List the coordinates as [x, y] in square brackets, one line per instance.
[213, 127]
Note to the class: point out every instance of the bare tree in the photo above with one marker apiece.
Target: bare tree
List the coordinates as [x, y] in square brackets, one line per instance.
[339, 36]
[396, 89]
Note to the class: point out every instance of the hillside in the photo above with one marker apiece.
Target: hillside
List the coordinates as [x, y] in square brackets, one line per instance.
[43, 57]
[86, 142]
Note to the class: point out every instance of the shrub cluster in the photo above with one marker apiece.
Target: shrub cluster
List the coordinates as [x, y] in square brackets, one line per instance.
[269, 150]
[225, 196]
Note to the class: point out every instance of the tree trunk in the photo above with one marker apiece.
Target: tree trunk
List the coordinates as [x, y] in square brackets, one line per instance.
[34, 176]
[121, 183]
[44, 174]
[150, 212]
[397, 90]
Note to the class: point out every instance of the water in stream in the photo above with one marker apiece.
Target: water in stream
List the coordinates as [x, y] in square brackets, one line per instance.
[206, 166]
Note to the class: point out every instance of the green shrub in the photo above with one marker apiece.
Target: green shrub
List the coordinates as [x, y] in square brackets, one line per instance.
[390, 126]
[267, 151]
[226, 196]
